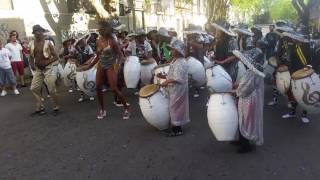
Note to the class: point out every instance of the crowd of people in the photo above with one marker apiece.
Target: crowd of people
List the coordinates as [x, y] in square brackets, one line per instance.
[108, 49]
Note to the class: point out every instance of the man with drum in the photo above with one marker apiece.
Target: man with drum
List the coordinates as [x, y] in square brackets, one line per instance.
[225, 44]
[251, 96]
[177, 86]
[83, 53]
[300, 56]
[244, 37]
[44, 62]
[141, 48]
[281, 52]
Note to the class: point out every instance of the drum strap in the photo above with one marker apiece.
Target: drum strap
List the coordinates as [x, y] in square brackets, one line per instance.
[301, 56]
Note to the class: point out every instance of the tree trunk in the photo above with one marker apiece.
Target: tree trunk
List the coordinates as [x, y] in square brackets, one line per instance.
[102, 13]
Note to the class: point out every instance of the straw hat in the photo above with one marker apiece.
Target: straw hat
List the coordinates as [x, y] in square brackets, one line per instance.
[223, 26]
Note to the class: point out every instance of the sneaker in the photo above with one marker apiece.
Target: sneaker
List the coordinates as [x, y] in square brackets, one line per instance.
[81, 99]
[126, 115]
[48, 96]
[202, 87]
[101, 114]
[78, 89]
[91, 98]
[136, 93]
[289, 105]
[16, 92]
[70, 91]
[305, 120]
[42, 99]
[196, 95]
[117, 104]
[289, 115]
[4, 93]
[272, 103]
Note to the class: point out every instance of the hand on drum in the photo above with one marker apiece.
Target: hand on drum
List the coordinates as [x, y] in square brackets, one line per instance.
[83, 68]
[165, 84]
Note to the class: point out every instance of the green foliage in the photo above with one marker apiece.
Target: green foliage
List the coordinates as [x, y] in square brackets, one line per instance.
[282, 9]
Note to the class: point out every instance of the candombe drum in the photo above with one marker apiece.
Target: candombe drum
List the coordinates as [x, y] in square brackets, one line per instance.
[240, 72]
[69, 73]
[223, 116]
[146, 73]
[86, 81]
[207, 63]
[306, 89]
[154, 105]
[218, 80]
[160, 69]
[283, 79]
[196, 72]
[132, 71]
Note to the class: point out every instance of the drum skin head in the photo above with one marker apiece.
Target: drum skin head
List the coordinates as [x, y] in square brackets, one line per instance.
[147, 61]
[282, 68]
[302, 73]
[148, 90]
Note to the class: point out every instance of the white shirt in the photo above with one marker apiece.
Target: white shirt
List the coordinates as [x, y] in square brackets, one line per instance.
[15, 50]
[5, 59]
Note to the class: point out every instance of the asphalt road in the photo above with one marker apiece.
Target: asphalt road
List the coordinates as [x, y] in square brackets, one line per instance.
[76, 146]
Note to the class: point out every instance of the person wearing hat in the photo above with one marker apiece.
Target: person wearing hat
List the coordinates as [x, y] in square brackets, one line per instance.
[172, 32]
[300, 57]
[67, 50]
[165, 39]
[109, 57]
[43, 61]
[281, 54]
[250, 92]
[257, 34]
[244, 37]
[177, 86]
[225, 44]
[83, 53]
[140, 47]
[154, 40]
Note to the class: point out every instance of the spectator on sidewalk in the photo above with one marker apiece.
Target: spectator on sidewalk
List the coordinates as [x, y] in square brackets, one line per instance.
[6, 73]
[15, 49]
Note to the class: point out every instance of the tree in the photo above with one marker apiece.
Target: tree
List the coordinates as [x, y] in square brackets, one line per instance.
[303, 9]
[282, 10]
[217, 10]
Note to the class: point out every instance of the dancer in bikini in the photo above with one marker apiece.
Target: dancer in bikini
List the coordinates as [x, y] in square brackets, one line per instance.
[109, 56]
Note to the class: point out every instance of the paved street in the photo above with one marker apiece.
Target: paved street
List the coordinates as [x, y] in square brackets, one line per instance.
[75, 146]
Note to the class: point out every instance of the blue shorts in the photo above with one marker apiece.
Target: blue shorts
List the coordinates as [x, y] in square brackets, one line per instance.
[7, 77]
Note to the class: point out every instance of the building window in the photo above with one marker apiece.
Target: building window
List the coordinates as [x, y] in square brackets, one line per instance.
[6, 5]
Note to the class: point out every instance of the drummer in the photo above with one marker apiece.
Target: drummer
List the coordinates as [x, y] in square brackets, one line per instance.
[244, 37]
[300, 56]
[281, 52]
[83, 52]
[225, 44]
[109, 56]
[177, 85]
[141, 48]
[250, 105]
